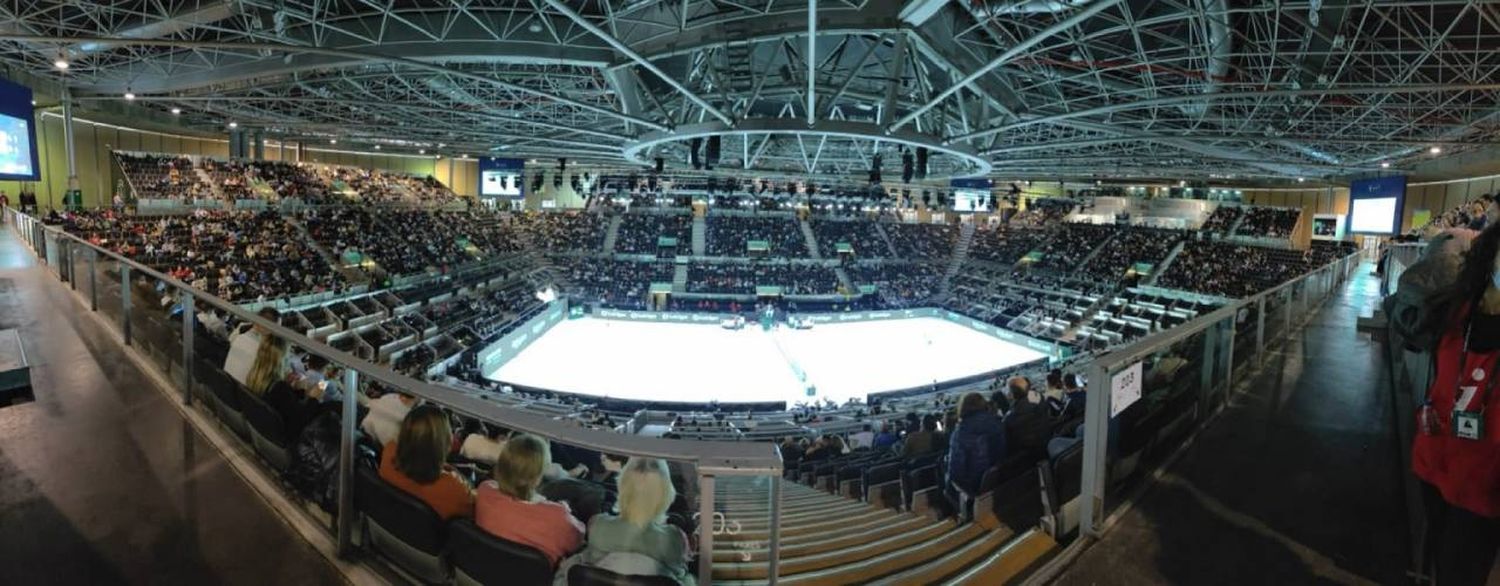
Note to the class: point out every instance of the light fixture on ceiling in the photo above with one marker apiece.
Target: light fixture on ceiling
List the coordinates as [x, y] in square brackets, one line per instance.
[176, 111]
[1300, 180]
[333, 141]
[421, 151]
[1436, 150]
[534, 27]
[377, 147]
[441, 145]
[129, 95]
[1385, 165]
[234, 125]
[61, 64]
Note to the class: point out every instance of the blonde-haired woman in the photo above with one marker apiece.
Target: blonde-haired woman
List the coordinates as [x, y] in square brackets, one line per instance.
[637, 539]
[269, 365]
[509, 506]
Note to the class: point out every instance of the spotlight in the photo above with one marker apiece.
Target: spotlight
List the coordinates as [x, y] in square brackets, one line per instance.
[176, 111]
[1437, 150]
[1385, 165]
[377, 147]
[61, 64]
[333, 141]
[421, 151]
[234, 125]
[1300, 180]
[129, 95]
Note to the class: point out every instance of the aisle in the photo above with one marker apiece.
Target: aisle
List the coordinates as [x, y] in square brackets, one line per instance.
[101, 479]
[1298, 482]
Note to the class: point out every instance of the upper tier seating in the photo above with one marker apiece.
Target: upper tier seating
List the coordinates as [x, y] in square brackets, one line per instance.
[622, 284]
[863, 236]
[914, 241]
[730, 235]
[1134, 245]
[1232, 270]
[639, 233]
[160, 176]
[1005, 244]
[1268, 222]
[1222, 219]
[1072, 244]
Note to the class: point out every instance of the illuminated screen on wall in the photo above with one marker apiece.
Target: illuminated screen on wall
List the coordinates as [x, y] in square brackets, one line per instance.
[1375, 205]
[970, 195]
[17, 134]
[501, 177]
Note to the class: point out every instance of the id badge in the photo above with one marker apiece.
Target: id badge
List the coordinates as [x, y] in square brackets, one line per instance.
[1468, 425]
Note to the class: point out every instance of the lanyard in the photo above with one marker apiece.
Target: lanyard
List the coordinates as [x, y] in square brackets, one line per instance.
[1465, 374]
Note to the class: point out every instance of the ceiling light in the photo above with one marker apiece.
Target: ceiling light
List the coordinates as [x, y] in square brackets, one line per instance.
[441, 145]
[1385, 165]
[61, 64]
[1299, 180]
[333, 141]
[176, 110]
[33, 102]
[421, 151]
[234, 125]
[1435, 150]
[377, 147]
[534, 27]
[129, 95]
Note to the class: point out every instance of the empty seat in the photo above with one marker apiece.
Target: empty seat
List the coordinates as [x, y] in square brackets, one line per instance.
[401, 527]
[267, 431]
[480, 558]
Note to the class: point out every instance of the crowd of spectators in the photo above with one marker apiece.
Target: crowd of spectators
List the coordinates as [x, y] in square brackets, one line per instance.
[159, 176]
[620, 284]
[1134, 245]
[565, 231]
[291, 180]
[230, 177]
[1044, 212]
[1005, 244]
[1072, 243]
[1268, 222]
[1222, 219]
[863, 236]
[730, 235]
[1232, 270]
[899, 285]
[929, 241]
[638, 233]
[1473, 215]
[239, 256]
[742, 279]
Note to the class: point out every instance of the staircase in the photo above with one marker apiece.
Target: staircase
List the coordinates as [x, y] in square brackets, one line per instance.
[612, 233]
[960, 254]
[829, 539]
[812, 241]
[1235, 227]
[700, 236]
[1161, 269]
[844, 280]
[680, 278]
[352, 275]
[880, 229]
[212, 186]
[1097, 249]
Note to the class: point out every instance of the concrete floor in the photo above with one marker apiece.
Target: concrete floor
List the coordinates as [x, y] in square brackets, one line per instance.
[1297, 482]
[102, 481]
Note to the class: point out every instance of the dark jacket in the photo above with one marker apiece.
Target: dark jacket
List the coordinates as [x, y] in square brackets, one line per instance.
[1027, 430]
[974, 447]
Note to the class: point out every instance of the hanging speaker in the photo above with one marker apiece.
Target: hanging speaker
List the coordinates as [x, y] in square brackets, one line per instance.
[562, 165]
[921, 170]
[661, 165]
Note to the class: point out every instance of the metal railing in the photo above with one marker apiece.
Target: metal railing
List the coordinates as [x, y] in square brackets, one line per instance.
[1144, 398]
[81, 264]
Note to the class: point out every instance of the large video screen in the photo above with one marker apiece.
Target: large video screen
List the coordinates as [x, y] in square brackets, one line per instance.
[501, 177]
[1375, 205]
[970, 195]
[17, 134]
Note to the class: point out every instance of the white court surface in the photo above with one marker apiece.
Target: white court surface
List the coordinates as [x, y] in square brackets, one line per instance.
[697, 363]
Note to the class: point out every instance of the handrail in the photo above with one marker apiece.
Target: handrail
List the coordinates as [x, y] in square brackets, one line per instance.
[710, 456]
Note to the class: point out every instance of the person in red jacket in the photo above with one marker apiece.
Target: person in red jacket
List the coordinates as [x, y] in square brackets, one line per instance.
[1456, 450]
